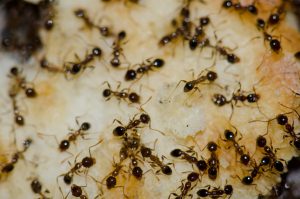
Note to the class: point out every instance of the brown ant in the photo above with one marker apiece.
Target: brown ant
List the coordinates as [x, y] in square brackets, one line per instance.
[155, 161]
[65, 144]
[45, 64]
[77, 192]
[36, 187]
[237, 6]
[133, 124]
[123, 94]
[86, 162]
[187, 186]
[248, 180]
[144, 68]
[216, 192]
[117, 49]
[231, 137]
[20, 83]
[197, 39]
[207, 78]
[9, 167]
[81, 65]
[178, 153]
[111, 180]
[18, 118]
[268, 151]
[81, 13]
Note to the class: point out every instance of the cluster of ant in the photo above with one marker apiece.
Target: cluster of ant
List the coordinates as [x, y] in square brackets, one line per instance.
[135, 155]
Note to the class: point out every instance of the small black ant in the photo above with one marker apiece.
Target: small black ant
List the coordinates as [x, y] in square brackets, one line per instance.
[231, 137]
[81, 65]
[45, 64]
[77, 192]
[216, 192]
[111, 180]
[197, 38]
[20, 83]
[18, 118]
[213, 162]
[184, 155]
[268, 151]
[224, 51]
[36, 187]
[104, 30]
[187, 186]
[117, 49]
[144, 68]
[124, 94]
[65, 144]
[237, 6]
[133, 124]
[155, 161]
[210, 77]
[248, 180]
[9, 167]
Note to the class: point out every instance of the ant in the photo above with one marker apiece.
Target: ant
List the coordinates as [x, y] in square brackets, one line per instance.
[237, 6]
[195, 39]
[248, 180]
[111, 181]
[81, 65]
[155, 161]
[224, 51]
[36, 187]
[268, 151]
[20, 83]
[144, 68]
[137, 172]
[133, 124]
[19, 119]
[210, 76]
[76, 191]
[9, 167]
[81, 13]
[117, 49]
[123, 94]
[45, 64]
[216, 191]
[65, 144]
[87, 162]
[184, 155]
[213, 162]
[231, 137]
[187, 186]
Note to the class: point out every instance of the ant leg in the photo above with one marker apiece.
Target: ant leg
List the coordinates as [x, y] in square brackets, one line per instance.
[94, 146]
[118, 121]
[184, 81]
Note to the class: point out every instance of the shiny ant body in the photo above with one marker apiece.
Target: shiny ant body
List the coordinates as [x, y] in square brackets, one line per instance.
[65, 144]
[20, 83]
[117, 49]
[231, 137]
[133, 124]
[198, 38]
[178, 153]
[144, 68]
[124, 94]
[36, 187]
[155, 161]
[186, 187]
[209, 77]
[79, 66]
[213, 162]
[86, 162]
[216, 192]
[104, 30]
[9, 167]
[268, 151]
[227, 4]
